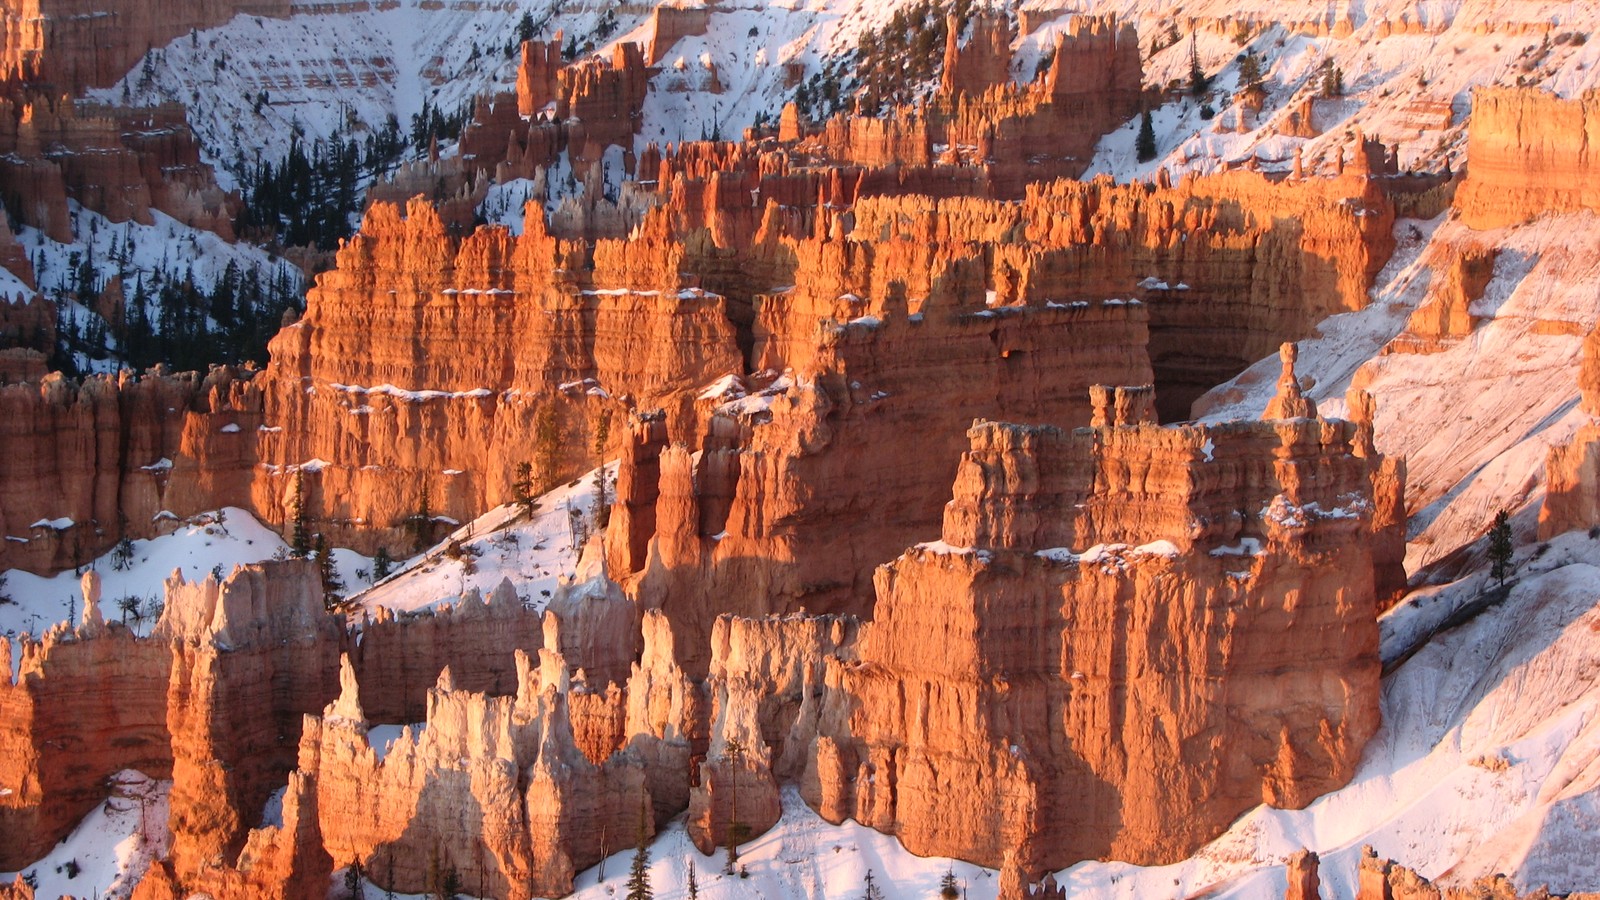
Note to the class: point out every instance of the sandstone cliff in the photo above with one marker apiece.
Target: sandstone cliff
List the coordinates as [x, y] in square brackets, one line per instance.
[1529, 156]
[1131, 541]
[75, 44]
[88, 462]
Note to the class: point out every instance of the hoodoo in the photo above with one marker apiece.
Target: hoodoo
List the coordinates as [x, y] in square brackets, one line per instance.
[1015, 451]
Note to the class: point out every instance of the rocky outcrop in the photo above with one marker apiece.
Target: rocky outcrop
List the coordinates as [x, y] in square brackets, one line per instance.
[1384, 879]
[1304, 881]
[89, 700]
[86, 463]
[1007, 135]
[532, 809]
[400, 655]
[119, 162]
[983, 61]
[250, 656]
[771, 518]
[671, 23]
[1200, 545]
[423, 364]
[74, 44]
[1529, 156]
[1572, 470]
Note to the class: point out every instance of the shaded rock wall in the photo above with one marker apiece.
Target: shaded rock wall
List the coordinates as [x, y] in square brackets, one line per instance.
[118, 162]
[75, 44]
[83, 462]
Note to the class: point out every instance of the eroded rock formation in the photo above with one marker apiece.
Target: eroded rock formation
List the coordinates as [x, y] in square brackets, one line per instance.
[1529, 156]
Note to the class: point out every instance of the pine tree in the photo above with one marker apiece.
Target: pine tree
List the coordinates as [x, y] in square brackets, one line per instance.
[332, 584]
[422, 521]
[602, 434]
[353, 878]
[1198, 82]
[300, 539]
[694, 886]
[443, 880]
[1500, 548]
[639, 874]
[1332, 80]
[1249, 70]
[873, 892]
[522, 488]
[1145, 145]
[546, 446]
[948, 888]
[382, 565]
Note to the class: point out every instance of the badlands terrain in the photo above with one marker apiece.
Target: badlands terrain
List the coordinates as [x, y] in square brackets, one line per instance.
[799, 449]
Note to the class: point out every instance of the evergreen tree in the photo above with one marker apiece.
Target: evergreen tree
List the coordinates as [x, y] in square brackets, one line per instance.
[1500, 548]
[873, 892]
[602, 434]
[422, 521]
[734, 750]
[382, 565]
[639, 874]
[1249, 70]
[1198, 82]
[332, 585]
[948, 888]
[1146, 142]
[443, 880]
[694, 886]
[1332, 80]
[300, 539]
[546, 446]
[522, 488]
[353, 878]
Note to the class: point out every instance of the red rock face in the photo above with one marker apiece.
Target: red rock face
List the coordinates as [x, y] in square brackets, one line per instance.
[1200, 546]
[89, 702]
[1008, 136]
[1529, 156]
[88, 457]
[118, 162]
[983, 61]
[423, 363]
[76, 44]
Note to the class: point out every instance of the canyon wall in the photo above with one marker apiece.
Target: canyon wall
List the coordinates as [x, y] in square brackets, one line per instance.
[1528, 153]
[76, 44]
[1209, 548]
[91, 461]
[121, 163]
[89, 700]
[1006, 135]
[424, 364]
[1135, 543]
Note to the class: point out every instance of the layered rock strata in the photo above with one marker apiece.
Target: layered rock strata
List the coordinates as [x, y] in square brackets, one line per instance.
[88, 462]
[119, 162]
[423, 364]
[1529, 156]
[1200, 546]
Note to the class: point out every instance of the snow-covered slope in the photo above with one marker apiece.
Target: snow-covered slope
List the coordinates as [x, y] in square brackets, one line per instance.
[1408, 68]
[1475, 419]
[534, 552]
[211, 542]
[111, 849]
